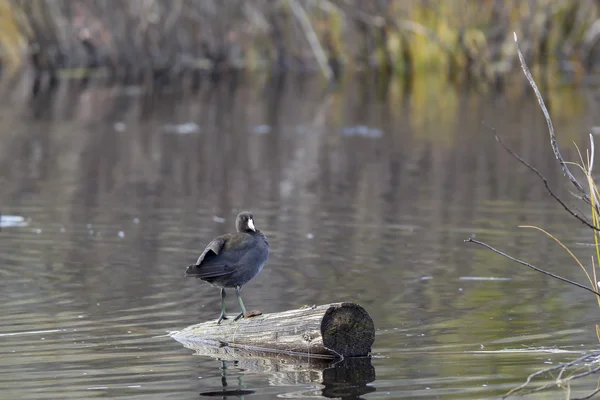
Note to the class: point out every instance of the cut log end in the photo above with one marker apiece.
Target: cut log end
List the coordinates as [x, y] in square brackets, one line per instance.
[328, 331]
[348, 330]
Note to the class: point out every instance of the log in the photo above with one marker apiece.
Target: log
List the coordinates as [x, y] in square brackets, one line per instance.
[327, 331]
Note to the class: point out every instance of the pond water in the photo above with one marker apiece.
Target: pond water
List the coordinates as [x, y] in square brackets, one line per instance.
[366, 192]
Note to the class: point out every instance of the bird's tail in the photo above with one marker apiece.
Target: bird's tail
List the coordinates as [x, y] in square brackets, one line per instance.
[206, 271]
[193, 271]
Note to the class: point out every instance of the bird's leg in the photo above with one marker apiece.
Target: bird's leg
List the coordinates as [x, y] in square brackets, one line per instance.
[237, 293]
[222, 316]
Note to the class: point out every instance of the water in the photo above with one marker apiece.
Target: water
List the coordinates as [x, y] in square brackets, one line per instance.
[366, 194]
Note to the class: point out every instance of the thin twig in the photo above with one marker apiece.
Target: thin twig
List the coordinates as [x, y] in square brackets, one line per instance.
[589, 396]
[583, 374]
[591, 357]
[560, 278]
[542, 177]
[553, 141]
[529, 378]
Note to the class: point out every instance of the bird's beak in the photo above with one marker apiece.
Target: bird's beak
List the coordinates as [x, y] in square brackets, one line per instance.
[251, 225]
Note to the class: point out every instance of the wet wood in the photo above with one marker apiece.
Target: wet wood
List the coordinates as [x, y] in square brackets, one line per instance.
[334, 330]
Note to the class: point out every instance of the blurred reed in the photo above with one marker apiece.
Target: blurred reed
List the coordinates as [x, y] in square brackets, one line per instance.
[156, 39]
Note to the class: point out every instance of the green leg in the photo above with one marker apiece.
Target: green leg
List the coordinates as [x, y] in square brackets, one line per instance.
[237, 293]
[222, 316]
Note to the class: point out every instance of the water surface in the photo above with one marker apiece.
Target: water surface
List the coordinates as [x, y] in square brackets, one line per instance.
[366, 193]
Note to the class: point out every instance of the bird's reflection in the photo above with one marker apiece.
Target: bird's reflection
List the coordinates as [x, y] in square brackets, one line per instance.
[226, 393]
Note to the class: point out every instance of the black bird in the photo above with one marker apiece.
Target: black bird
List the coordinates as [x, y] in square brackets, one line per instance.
[232, 260]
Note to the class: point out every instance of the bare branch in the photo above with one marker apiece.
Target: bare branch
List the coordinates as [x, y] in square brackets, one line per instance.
[591, 358]
[543, 178]
[589, 396]
[553, 141]
[560, 278]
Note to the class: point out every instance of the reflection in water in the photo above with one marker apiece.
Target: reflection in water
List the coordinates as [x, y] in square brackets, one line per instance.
[366, 191]
[342, 379]
[349, 378]
[346, 378]
[229, 393]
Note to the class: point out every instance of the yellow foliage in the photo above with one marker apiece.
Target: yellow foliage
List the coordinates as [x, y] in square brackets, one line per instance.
[12, 40]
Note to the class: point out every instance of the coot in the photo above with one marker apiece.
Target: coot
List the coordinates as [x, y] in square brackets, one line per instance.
[232, 260]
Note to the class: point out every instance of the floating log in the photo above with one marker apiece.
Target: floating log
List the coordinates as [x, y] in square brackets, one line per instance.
[327, 331]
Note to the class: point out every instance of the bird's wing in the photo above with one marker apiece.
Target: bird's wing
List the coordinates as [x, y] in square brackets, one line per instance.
[221, 256]
[215, 247]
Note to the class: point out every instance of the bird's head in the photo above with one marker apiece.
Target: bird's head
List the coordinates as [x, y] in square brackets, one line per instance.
[245, 222]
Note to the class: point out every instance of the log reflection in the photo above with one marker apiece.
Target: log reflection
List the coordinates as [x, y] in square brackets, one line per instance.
[346, 379]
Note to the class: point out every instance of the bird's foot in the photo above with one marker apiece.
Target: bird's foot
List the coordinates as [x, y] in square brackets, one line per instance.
[221, 318]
